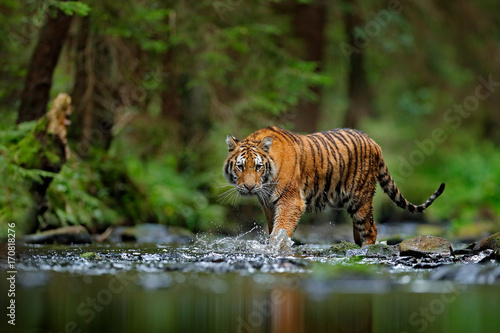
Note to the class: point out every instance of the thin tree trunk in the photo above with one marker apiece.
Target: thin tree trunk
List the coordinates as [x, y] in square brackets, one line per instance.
[170, 97]
[95, 91]
[35, 95]
[106, 100]
[309, 21]
[360, 99]
[82, 88]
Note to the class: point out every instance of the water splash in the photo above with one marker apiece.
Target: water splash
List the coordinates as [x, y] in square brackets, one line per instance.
[232, 244]
[281, 243]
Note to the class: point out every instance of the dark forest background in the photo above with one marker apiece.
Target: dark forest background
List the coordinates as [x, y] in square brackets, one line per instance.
[157, 85]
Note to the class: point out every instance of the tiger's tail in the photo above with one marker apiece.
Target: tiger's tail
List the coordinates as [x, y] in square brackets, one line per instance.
[387, 183]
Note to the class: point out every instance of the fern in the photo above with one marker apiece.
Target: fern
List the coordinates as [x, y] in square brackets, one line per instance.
[34, 175]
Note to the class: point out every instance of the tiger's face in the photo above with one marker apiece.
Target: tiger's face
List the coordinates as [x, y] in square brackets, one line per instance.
[249, 166]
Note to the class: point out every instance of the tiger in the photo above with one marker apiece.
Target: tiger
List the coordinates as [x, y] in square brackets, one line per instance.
[291, 173]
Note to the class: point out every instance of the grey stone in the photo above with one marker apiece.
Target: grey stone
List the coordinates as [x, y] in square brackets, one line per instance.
[489, 243]
[422, 246]
[381, 250]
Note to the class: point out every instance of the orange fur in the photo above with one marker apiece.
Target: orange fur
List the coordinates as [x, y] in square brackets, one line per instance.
[291, 173]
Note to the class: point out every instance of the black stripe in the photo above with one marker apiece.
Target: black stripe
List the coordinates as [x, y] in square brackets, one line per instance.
[318, 145]
[355, 170]
[341, 172]
[286, 134]
[384, 181]
[404, 203]
[316, 181]
[229, 167]
[352, 209]
[392, 192]
[313, 153]
[331, 141]
[328, 181]
[369, 157]
[282, 193]
[308, 199]
[344, 177]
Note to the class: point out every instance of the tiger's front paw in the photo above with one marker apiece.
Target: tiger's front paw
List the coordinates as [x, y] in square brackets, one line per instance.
[280, 242]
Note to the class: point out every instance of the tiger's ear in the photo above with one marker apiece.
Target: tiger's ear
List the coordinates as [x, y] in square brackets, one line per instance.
[265, 144]
[231, 142]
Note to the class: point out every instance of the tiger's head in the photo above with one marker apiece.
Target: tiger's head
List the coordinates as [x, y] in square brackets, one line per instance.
[249, 166]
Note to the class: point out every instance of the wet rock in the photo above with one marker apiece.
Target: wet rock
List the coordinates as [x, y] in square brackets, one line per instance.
[489, 243]
[488, 256]
[381, 250]
[468, 274]
[341, 248]
[394, 241]
[76, 234]
[356, 252]
[462, 252]
[405, 260]
[428, 265]
[476, 257]
[422, 246]
[152, 233]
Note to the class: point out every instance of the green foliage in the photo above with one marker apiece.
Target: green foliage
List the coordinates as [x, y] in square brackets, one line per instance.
[77, 197]
[237, 66]
[96, 192]
[73, 7]
[473, 177]
[15, 199]
[29, 150]
[176, 198]
[146, 25]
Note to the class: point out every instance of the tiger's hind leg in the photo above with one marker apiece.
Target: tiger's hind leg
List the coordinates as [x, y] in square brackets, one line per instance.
[365, 230]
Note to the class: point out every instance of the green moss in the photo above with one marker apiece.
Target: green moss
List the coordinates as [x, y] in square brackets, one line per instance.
[380, 250]
[90, 255]
[491, 242]
[36, 148]
[341, 248]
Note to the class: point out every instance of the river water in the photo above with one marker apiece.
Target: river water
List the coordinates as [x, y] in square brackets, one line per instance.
[232, 284]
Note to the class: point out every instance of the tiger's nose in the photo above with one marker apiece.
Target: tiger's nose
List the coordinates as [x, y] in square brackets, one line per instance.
[249, 187]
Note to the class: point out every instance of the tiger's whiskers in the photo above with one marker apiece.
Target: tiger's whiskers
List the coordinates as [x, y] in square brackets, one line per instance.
[230, 196]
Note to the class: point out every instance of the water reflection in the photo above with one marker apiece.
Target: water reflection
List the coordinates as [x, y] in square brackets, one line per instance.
[201, 302]
[237, 287]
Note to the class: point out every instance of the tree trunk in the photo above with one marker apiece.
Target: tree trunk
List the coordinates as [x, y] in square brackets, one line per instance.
[360, 99]
[35, 95]
[50, 135]
[170, 96]
[95, 92]
[105, 100]
[309, 21]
